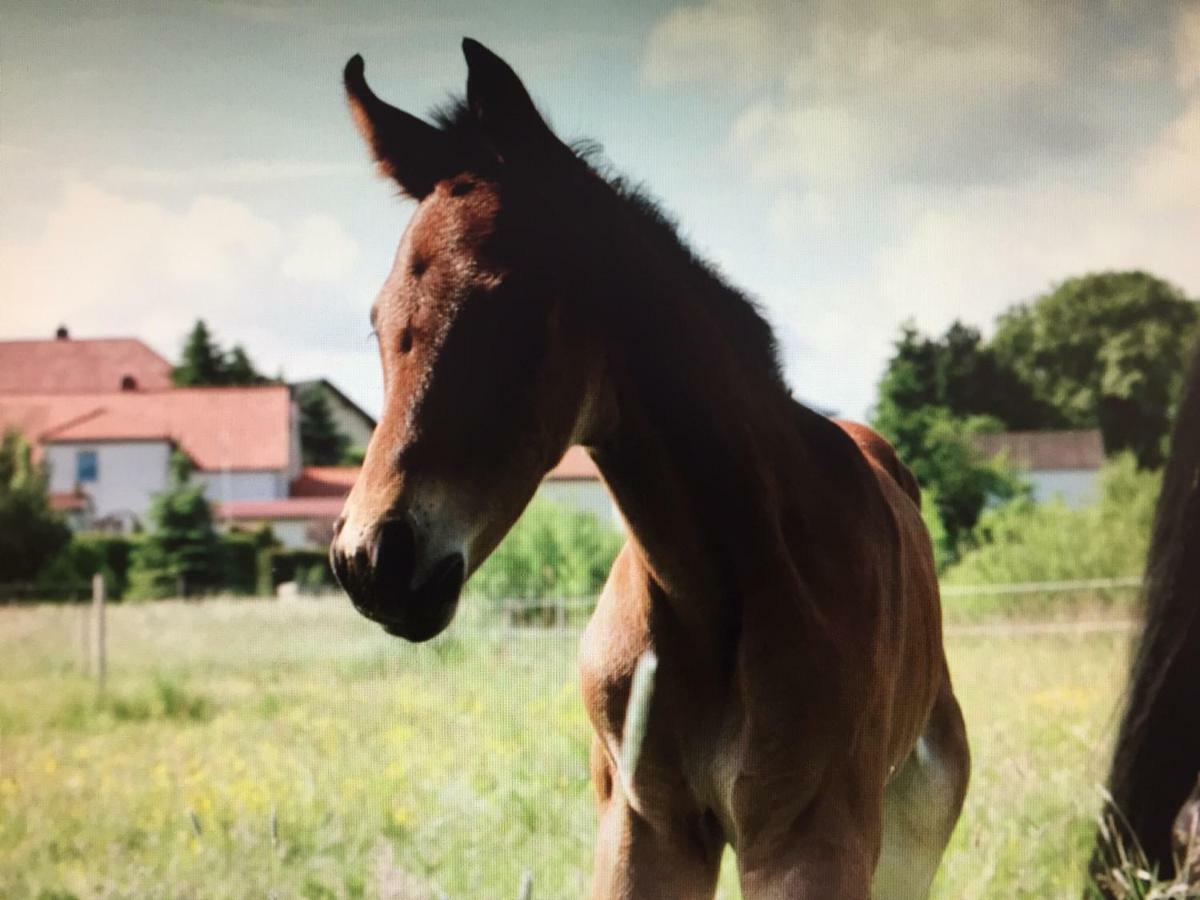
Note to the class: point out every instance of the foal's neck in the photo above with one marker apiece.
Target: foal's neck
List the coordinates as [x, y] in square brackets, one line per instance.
[703, 437]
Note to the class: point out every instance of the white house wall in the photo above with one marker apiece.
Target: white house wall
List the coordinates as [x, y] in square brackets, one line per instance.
[230, 486]
[129, 474]
[586, 496]
[349, 422]
[1076, 487]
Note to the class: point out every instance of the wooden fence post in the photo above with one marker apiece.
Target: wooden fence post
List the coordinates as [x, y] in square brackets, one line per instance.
[85, 636]
[98, 637]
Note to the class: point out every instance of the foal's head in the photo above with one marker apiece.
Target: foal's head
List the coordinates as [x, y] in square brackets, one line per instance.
[485, 369]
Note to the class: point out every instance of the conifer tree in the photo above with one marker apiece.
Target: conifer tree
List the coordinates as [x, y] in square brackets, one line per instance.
[181, 552]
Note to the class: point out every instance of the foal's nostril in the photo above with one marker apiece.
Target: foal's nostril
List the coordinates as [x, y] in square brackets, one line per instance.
[394, 553]
[338, 523]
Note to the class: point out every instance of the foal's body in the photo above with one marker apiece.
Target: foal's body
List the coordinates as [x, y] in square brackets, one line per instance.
[785, 581]
[776, 564]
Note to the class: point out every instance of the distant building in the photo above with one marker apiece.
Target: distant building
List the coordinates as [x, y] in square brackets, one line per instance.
[105, 417]
[305, 517]
[67, 366]
[351, 419]
[316, 498]
[115, 448]
[1064, 464]
[575, 482]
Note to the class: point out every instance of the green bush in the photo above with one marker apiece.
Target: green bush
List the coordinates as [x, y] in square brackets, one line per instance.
[307, 567]
[1024, 541]
[552, 552]
[72, 568]
[31, 533]
[238, 556]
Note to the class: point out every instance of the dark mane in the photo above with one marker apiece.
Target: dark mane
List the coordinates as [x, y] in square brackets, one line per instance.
[742, 318]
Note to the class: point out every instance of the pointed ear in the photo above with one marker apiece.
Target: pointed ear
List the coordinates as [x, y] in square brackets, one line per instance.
[503, 107]
[411, 152]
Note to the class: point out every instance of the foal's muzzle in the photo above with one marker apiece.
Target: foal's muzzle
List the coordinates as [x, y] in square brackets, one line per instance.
[378, 574]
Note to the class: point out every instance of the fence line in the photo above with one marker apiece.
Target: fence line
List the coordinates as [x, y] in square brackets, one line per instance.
[1040, 587]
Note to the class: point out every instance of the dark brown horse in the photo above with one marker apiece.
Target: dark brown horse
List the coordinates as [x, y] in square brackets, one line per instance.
[802, 711]
[1157, 758]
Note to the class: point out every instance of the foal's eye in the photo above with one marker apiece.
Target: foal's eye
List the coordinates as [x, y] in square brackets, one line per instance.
[406, 340]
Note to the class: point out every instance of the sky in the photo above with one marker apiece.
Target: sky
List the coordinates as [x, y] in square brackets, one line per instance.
[850, 165]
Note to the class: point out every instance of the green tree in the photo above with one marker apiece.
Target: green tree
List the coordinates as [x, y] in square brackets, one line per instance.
[931, 402]
[937, 445]
[961, 373]
[31, 534]
[1105, 351]
[181, 552]
[240, 370]
[202, 362]
[322, 443]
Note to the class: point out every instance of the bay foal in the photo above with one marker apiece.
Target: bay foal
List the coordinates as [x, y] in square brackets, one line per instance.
[776, 563]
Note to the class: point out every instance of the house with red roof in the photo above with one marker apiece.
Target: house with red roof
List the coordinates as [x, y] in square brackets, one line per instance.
[316, 497]
[105, 418]
[1063, 465]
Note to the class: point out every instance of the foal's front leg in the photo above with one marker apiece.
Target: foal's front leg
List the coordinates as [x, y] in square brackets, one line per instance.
[824, 855]
[640, 860]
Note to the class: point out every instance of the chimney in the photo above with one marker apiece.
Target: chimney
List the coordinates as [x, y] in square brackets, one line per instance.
[61, 334]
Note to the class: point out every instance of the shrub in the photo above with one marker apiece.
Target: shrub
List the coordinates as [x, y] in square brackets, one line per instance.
[1024, 541]
[86, 554]
[309, 568]
[238, 555]
[552, 552]
[31, 534]
[181, 553]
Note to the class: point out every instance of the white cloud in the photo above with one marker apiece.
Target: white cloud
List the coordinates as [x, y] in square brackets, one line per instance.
[909, 91]
[723, 43]
[232, 173]
[945, 160]
[1168, 173]
[973, 253]
[322, 252]
[106, 264]
[1187, 44]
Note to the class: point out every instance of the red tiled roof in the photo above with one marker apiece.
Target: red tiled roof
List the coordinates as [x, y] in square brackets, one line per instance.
[69, 501]
[324, 481]
[336, 481]
[240, 428]
[575, 465]
[1045, 450]
[71, 366]
[286, 508]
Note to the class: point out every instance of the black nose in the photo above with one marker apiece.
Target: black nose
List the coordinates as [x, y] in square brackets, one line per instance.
[379, 577]
[394, 556]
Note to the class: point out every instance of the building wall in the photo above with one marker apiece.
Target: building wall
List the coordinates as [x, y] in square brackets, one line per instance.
[129, 474]
[227, 486]
[587, 496]
[1076, 487]
[348, 419]
[294, 534]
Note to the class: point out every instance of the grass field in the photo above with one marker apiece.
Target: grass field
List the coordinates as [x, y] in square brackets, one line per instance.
[248, 749]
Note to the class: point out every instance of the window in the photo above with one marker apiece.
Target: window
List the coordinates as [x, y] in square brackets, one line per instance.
[87, 466]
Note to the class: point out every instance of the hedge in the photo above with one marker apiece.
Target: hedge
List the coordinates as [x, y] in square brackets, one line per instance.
[308, 568]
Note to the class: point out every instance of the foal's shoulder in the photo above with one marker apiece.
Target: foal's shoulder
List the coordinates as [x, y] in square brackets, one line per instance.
[877, 450]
